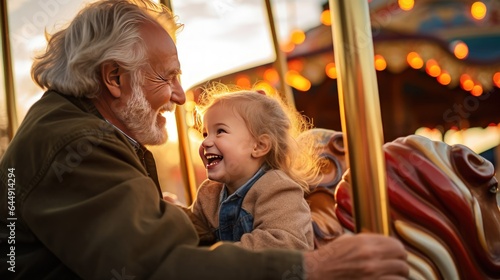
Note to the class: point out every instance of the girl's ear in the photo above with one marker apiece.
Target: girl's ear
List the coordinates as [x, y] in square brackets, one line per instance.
[111, 78]
[262, 146]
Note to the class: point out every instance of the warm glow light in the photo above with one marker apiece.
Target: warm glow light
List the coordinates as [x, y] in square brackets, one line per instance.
[266, 87]
[189, 105]
[288, 47]
[295, 80]
[271, 75]
[296, 64]
[432, 68]
[190, 117]
[477, 90]
[298, 36]
[478, 139]
[453, 136]
[325, 18]
[433, 134]
[496, 79]
[468, 85]
[460, 49]
[414, 60]
[331, 70]
[189, 95]
[380, 63]
[406, 5]
[464, 77]
[466, 82]
[444, 78]
[171, 127]
[243, 81]
[478, 10]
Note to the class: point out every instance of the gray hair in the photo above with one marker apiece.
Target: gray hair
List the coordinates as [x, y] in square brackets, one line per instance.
[102, 31]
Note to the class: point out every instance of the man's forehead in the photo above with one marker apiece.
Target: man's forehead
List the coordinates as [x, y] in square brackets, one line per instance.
[155, 37]
[162, 52]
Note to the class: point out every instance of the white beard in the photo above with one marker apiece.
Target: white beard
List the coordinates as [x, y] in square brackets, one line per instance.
[141, 120]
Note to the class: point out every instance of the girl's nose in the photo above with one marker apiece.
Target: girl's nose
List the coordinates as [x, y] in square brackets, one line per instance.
[206, 142]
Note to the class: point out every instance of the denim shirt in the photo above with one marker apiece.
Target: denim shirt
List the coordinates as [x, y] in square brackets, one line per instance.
[233, 220]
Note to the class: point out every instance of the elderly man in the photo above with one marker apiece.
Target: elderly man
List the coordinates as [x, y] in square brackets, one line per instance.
[79, 191]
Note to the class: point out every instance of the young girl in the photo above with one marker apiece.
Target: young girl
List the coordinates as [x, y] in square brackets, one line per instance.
[257, 173]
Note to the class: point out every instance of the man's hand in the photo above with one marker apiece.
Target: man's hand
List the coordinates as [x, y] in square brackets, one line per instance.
[172, 198]
[360, 256]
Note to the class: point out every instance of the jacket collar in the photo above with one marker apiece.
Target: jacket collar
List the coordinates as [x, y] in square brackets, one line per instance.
[146, 157]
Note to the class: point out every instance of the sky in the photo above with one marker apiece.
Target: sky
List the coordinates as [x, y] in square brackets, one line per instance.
[228, 34]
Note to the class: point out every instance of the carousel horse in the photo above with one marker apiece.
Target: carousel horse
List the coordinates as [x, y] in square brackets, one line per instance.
[321, 199]
[443, 207]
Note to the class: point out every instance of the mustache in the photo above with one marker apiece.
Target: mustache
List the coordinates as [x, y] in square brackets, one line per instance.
[168, 107]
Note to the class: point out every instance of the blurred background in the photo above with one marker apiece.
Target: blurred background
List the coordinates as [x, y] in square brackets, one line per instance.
[437, 64]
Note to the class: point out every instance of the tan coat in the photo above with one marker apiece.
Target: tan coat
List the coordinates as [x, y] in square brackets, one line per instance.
[282, 218]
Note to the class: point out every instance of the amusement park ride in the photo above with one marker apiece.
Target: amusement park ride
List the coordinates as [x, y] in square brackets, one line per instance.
[441, 200]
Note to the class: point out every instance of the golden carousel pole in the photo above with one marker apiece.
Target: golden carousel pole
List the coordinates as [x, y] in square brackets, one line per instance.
[280, 64]
[360, 113]
[187, 165]
[10, 97]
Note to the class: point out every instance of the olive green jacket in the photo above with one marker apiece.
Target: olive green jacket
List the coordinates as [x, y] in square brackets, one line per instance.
[83, 206]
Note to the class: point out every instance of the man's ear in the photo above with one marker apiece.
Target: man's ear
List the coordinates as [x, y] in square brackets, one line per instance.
[110, 72]
[262, 146]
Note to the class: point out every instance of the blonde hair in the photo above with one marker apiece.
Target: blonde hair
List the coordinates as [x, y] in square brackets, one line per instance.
[102, 31]
[264, 114]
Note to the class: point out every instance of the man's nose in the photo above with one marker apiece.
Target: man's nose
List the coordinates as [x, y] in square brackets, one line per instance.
[178, 94]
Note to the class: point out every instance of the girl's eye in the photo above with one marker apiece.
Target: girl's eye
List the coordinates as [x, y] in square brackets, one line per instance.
[220, 130]
[204, 135]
